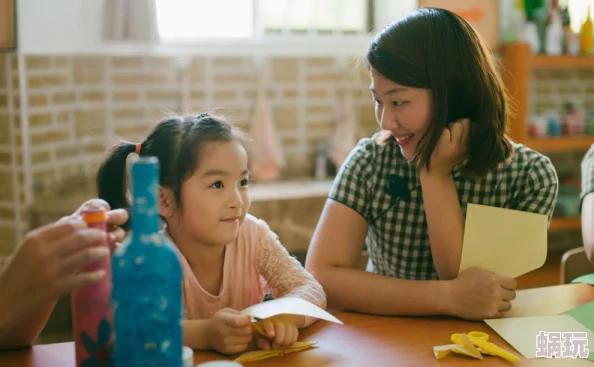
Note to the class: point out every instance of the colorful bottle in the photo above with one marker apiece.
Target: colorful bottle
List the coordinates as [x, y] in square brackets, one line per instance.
[586, 37]
[147, 278]
[555, 34]
[92, 316]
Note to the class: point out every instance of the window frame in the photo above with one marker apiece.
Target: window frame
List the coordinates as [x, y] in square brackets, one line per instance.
[380, 13]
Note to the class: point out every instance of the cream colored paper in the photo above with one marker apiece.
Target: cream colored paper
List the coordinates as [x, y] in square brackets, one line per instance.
[505, 241]
[289, 306]
[521, 332]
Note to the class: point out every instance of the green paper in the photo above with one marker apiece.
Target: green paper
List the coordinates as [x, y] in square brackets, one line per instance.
[588, 279]
[584, 314]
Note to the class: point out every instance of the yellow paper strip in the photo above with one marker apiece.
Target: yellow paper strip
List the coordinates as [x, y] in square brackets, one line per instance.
[258, 355]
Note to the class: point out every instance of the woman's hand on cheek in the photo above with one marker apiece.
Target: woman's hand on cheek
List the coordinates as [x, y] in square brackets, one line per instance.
[451, 147]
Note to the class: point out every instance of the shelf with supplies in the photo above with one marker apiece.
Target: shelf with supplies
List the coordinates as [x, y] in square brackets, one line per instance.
[559, 143]
[562, 62]
[565, 224]
[518, 62]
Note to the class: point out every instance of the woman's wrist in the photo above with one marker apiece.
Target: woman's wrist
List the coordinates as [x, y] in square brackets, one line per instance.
[430, 174]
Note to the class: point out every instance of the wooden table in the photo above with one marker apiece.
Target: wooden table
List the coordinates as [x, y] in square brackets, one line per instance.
[371, 341]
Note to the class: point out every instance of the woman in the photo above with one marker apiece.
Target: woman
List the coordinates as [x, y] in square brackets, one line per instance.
[403, 193]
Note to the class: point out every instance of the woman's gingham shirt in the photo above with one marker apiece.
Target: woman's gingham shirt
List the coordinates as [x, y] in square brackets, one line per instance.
[378, 183]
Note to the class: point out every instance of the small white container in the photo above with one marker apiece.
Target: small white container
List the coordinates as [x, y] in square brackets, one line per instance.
[220, 364]
[187, 357]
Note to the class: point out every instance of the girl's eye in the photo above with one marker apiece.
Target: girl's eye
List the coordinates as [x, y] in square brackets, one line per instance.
[217, 185]
[244, 182]
[397, 103]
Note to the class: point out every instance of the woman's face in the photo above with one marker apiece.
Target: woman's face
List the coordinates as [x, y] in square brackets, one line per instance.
[403, 111]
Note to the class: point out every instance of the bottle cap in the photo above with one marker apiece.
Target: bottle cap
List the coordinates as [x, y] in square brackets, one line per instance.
[94, 214]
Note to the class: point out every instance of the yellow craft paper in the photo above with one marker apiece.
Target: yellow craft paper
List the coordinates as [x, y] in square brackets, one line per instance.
[462, 345]
[496, 350]
[442, 351]
[291, 306]
[467, 344]
[474, 344]
[507, 242]
[521, 332]
[258, 355]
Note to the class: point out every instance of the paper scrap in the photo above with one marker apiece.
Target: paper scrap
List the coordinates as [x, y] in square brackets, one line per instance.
[467, 344]
[588, 279]
[584, 314]
[522, 333]
[291, 306]
[442, 351]
[505, 241]
[258, 355]
[474, 344]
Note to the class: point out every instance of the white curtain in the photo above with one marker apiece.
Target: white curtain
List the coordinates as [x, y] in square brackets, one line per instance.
[130, 20]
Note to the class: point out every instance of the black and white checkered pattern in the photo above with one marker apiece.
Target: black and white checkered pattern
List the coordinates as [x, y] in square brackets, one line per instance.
[587, 173]
[397, 239]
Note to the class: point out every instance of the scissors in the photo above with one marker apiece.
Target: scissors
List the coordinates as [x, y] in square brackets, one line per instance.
[481, 341]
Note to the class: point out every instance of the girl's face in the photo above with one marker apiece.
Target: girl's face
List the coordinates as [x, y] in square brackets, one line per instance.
[403, 111]
[215, 199]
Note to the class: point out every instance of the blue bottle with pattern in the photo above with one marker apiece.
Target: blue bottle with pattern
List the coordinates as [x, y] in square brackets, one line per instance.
[147, 282]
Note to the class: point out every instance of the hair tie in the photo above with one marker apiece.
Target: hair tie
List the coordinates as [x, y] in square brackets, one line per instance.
[138, 148]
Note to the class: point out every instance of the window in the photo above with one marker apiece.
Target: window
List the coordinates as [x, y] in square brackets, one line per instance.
[190, 20]
[578, 11]
[319, 16]
[183, 20]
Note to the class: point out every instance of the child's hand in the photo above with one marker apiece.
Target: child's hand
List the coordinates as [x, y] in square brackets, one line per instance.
[229, 331]
[281, 330]
[451, 147]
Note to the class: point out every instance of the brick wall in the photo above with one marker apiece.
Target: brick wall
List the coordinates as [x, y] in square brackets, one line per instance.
[12, 210]
[77, 104]
[80, 102]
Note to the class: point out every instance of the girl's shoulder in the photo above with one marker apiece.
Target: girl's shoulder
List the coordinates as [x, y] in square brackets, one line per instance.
[253, 229]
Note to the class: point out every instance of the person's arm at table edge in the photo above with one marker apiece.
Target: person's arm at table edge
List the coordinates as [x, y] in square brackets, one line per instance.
[333, 255]
[22, 331]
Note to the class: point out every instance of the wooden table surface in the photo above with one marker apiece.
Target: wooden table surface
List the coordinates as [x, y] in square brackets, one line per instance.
[371, 341]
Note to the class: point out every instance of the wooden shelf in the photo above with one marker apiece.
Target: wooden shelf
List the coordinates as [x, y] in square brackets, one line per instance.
[562, 62]
[565, 224]
[518, 61]
[560, 144]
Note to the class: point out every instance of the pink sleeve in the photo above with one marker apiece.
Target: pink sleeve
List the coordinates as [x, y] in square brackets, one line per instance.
[284, 275]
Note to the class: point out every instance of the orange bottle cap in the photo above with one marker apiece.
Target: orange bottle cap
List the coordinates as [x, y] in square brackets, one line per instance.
[94, 215]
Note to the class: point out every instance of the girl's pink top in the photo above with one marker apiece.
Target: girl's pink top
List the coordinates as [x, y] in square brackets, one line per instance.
[255, 263]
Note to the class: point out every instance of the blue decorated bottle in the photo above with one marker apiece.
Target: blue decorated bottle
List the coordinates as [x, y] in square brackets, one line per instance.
[147, 282]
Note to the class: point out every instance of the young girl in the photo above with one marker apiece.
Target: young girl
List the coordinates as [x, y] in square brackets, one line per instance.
[442, 107]
[230, 258]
